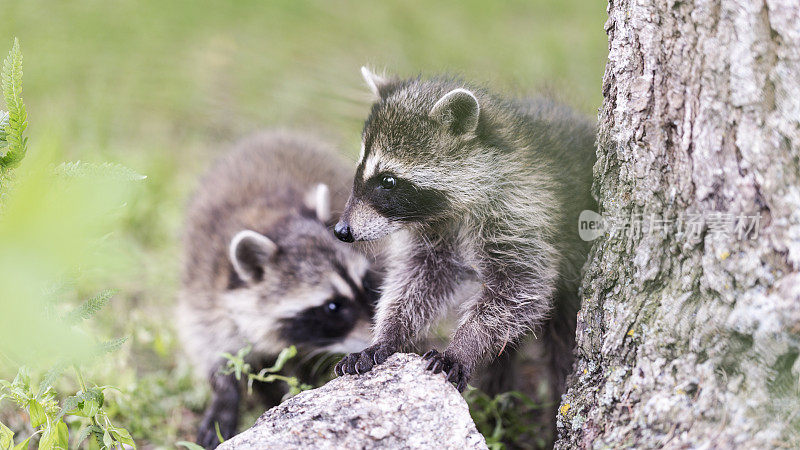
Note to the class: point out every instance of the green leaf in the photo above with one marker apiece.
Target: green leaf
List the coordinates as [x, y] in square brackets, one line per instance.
[285, 355]
[107, 440]
[48, 440]
[89, 403]
[122, 435]
[296, 389]
[37, 413]
[3, 125]
[219, 433]
[85, 404]
[90, 307]
[70, 404]
[23, 379]
[84, 433]
[62, 436]
[50, 377]
[112, 345]
[6, 437]
[11, 81]
[16, 393]
[189, 445]
[23, 445]
[236, 364]
[90, 408]
[98, 434]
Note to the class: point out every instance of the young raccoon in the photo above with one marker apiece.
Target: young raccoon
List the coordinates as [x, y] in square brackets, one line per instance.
[471, 186]
[262, 267]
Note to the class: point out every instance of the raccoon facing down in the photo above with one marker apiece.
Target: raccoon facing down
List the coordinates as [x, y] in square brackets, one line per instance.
[262, 269]
[471, 186]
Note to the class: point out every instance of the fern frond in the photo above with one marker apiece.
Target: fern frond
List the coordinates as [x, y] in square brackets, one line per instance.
[11, 81]
[50, 377]
[105, 171]
[112, 345]
[90, 307]
[3, 125]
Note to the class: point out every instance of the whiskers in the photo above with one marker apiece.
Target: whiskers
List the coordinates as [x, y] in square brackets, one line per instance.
[319, 362]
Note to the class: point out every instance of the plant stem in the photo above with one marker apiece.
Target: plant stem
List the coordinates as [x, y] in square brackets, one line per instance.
[83, 389]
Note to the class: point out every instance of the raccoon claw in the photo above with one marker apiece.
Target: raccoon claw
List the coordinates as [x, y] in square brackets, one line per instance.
[346, 365]
[455, 373]
[430, 354]
[363, 361]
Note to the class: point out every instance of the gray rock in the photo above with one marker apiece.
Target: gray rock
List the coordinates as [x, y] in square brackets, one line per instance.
[398, 404]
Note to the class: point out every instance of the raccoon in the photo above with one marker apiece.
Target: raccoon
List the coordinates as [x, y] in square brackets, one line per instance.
[263, 269]
[471, 186]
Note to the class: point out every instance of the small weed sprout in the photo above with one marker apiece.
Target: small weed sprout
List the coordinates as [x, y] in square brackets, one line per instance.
[40, 400]
[236, 365]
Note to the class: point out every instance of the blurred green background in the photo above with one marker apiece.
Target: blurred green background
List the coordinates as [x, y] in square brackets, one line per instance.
[165, 86]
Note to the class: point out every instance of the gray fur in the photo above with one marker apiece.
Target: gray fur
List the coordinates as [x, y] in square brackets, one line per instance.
[506, 182]
[256, 253]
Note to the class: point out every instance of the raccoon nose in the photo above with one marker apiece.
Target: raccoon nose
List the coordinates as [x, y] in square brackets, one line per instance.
[342, 231]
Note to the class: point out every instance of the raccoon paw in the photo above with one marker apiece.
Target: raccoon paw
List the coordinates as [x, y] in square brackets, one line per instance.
[363, 361]
[455, 372]
[207, 432]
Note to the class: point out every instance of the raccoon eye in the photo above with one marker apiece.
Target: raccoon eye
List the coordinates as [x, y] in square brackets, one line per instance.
[333, 306]
[388, 182]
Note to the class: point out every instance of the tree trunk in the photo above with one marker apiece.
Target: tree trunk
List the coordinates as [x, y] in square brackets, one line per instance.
[690, 329]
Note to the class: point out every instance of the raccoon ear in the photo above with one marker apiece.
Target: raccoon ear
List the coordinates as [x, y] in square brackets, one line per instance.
[458, 110]
[318, 199]
[250, 253]
[374, 82]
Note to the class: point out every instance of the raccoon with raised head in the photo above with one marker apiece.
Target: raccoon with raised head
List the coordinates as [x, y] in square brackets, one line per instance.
[471, 186]
[262, 268]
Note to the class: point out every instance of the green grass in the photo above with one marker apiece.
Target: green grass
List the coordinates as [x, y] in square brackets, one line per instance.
[164, 86]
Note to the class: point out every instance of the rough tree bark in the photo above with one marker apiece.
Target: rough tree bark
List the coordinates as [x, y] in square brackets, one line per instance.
[689, 334]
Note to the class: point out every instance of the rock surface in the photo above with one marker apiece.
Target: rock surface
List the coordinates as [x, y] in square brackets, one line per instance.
[398, 404]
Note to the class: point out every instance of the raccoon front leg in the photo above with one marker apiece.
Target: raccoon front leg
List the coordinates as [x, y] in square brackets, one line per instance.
[512, 300]
[223, 410]
[420, 283]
